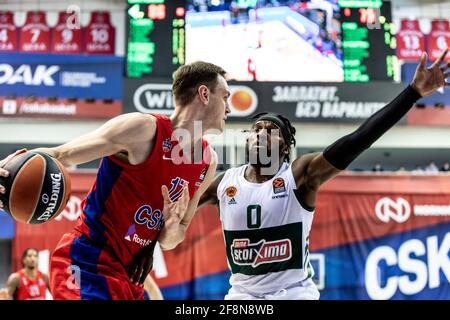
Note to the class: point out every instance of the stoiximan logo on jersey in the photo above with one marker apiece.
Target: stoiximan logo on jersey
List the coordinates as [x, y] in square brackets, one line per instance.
[245, 253]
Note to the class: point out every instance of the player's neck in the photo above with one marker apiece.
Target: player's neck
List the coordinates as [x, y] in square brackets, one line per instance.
[188, 131]
[256, 174]
[31, 273]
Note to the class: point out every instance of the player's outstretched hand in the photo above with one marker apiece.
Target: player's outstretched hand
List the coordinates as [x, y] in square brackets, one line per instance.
[427, 80]
[141, 265]
[174, 211]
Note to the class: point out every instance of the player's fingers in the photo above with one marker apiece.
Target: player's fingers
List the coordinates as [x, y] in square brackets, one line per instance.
[4, 173]
[423, 60]
[1, 204]
[445, 67]
[132, 272]
[441, 58]
[165, 194]
[2, 189]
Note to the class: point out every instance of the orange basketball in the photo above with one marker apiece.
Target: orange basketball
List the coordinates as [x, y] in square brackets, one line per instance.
[37, 188]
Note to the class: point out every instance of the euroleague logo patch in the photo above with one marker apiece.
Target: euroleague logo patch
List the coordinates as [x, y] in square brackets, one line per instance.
[231, 193]
[243, 101]
[245, 253]
[279, 185]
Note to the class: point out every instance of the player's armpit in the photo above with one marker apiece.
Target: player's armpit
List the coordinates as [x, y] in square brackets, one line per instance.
[210, 195]
[126, 133]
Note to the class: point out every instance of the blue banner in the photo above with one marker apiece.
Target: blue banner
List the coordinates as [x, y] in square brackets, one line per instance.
[7, 225]
[61, 76]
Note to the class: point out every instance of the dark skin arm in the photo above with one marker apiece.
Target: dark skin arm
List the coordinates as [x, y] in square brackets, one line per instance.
[312, 170]
[210, 195]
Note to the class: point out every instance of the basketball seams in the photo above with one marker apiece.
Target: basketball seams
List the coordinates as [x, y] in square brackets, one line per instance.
[20, 172]
[40, 188]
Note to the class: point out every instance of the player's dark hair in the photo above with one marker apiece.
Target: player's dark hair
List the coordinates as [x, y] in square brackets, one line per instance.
[25, 253]
[287, 130]
[189, 77]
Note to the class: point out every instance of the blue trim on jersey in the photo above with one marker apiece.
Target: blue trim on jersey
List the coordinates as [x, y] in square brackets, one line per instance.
[85, 257]
[107, 175]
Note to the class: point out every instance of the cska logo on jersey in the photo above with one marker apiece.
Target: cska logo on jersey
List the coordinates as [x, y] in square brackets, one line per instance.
[167, 145]
[176, 188]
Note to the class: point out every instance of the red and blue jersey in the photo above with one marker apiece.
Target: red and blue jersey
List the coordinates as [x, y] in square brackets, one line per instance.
[123, 210]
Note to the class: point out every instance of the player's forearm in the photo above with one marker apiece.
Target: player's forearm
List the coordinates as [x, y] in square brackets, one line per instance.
[341, 153]
[169, 239]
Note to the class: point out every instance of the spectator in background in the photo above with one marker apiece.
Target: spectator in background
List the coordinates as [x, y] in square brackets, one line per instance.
[377, 167]
[402, 169]
[432, 168]
[445, 167]
[418, 170]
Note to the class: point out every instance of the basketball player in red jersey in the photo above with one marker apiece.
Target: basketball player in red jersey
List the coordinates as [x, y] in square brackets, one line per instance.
[28, 283]
[143, 193]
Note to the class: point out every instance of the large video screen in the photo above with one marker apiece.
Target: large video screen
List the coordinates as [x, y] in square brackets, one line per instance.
[267, 40]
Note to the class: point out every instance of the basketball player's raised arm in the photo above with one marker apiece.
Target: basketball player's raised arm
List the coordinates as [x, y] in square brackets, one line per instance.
[123, 134]
[311, 171]
[175, 227]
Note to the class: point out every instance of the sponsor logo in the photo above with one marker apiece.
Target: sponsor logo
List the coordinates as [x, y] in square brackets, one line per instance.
[231, 192]
[9, 107]
[253, 254]
[400, 210]
[56, 188]
[132, 236]
[153, 97]
[42, 75]
[278, 185]
[176, 188]
[153, 219]
[45, 198]
[166, 145]
[421, 264]
[243, 101]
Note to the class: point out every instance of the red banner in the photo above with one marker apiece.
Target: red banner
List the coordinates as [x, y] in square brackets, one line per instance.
[35, 34]
[438, 39]
[100, 34]
[410, 41]
[8, 32]
[65, 37]
[351, 210]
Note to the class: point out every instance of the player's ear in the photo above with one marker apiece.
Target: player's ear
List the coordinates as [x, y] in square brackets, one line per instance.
[203, 93]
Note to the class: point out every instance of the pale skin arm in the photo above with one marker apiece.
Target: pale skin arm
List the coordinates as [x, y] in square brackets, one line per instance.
[127, 136]
[152, 289]
[175, 225]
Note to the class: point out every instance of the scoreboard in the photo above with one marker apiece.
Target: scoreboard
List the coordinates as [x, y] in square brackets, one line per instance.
[155, 37]
[368, 41]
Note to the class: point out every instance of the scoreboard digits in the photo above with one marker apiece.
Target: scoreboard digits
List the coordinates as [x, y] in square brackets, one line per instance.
[155, 37]
[368, 41]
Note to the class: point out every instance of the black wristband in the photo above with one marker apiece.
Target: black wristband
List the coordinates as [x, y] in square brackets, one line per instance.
[342, 152]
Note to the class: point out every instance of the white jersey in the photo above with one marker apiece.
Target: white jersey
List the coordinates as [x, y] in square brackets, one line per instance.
[266, 231]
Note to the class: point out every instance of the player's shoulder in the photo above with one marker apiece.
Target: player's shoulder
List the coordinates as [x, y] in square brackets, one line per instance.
[14, 277]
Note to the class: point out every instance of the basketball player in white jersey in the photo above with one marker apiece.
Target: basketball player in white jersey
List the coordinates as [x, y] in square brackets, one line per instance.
[266, 218]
